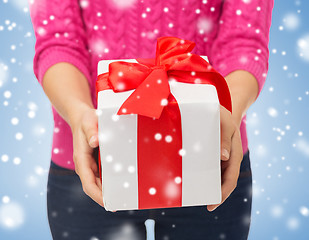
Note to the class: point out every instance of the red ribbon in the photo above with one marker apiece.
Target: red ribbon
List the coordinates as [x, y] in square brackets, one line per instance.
[150, 80]
[159, 162]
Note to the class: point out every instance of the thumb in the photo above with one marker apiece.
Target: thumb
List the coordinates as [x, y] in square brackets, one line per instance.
[93, 141]
[227, 131]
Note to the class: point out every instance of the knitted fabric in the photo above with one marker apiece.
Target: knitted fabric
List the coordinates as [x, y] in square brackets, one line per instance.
[234, 34]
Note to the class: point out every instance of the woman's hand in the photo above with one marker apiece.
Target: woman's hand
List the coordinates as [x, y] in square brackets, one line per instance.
[85, 139]
[231, 155]
[69, 92]
[244, 91]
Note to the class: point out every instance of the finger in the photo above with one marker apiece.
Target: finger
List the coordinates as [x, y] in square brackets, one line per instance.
[227, 131]
[90, 128]
[90, 186]
[94, 141]
[231, 173]
[98, 182]
[226, 190]
[86, 169]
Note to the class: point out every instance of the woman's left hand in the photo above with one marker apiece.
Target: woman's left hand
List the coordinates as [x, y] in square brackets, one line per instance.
[231, 155]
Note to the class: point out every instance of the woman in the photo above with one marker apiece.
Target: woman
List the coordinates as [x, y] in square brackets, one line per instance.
[72, 36]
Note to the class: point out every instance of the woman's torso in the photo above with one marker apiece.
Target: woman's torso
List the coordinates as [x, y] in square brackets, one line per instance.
[124, 29]
[129, 28]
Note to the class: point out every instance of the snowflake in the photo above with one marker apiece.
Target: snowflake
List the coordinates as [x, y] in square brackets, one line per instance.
[123, 3]
[56, 150]
[131, 169]
[293, 223]
[94, 238]
[7, 94]
[39, 170]
[117, 167]
[261, 150]
[11, 215]
[4, 158]
[177, 180]
[158, 136]
[38, 130]
[291, 21]
[98, 47]
[168, 138]
[115, 117]
[152, 191]
[272, 112]
[109, 158]
[16, 160]
[164, 102]
[182, 152]
[32, 181]
[105, 137]
[303, 146]
[238, 12]
[277, 211]
[243, 60]
[303, 47]
[304, 211]
[5, 199]
[204, 25]
[84, 4]
[31, 114]
[19, 136]
[41, 31]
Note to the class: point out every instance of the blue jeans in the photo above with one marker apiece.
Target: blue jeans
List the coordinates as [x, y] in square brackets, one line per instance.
[73, 215]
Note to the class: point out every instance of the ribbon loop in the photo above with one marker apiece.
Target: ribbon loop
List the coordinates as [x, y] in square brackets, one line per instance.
[149, 97]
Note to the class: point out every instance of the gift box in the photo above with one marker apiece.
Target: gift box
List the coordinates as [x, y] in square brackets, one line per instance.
[159, 129]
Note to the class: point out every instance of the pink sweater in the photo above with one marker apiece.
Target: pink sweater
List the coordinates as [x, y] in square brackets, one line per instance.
[233, 34]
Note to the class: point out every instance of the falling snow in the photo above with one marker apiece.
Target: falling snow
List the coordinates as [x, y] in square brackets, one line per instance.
[152, 191]
[123, 3]
[303, 47]
[304, 211]
[276, 124]
[168, 138]
[204, 25]
[291, 21]
[272, 112]
[11, 214]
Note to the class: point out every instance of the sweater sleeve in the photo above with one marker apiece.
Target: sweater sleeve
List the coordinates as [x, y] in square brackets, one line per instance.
[60, 36]
[242, 39]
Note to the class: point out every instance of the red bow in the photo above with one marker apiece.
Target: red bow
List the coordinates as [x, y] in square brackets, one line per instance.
[150, 80]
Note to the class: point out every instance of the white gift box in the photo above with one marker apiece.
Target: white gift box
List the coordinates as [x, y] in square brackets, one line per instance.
[200, 125]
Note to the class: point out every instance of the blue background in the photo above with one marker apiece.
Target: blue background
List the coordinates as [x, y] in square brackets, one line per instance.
[278, 130]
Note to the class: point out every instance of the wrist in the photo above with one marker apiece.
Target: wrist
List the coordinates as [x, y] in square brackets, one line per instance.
[244, 89]
[76, 114]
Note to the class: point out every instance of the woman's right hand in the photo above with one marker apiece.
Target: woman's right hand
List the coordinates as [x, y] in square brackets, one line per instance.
[85, 140]
[69, 92]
